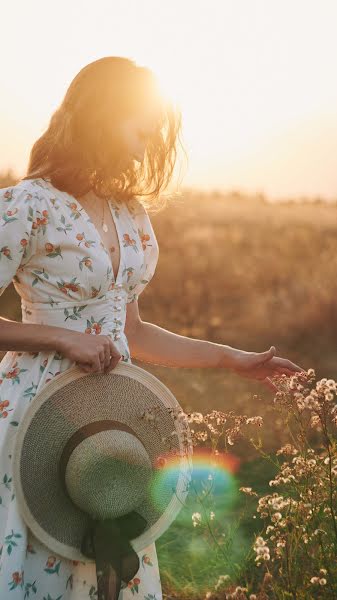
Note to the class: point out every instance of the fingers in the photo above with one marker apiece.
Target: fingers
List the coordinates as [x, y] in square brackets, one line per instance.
[106, 364]
[85, 367]
[270, 353]
[90, 368]
[115, 356]
[101, 357]
[283, 365]
[268, 382]
[109, 356]
[279, 370]
[96, 364]
[112, 347]
[97, 361]
[293, 367]
[261, 358]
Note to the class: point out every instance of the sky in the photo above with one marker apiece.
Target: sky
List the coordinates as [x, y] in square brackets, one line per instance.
[255, 79]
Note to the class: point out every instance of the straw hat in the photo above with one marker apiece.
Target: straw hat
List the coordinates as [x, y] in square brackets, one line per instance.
[101, 468]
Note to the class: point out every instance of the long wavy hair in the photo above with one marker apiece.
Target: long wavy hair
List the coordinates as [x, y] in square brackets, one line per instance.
[82, 149]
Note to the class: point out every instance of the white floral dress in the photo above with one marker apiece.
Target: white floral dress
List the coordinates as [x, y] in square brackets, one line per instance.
[54, 254]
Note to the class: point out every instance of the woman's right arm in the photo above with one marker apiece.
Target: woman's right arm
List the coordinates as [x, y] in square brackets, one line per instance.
[29, 337]
[88, 351]
[18, 243]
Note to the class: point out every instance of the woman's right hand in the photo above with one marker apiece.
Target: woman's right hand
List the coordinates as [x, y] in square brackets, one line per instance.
[92, 353]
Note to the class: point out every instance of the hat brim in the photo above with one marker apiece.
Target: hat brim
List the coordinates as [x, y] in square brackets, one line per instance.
[59, 410]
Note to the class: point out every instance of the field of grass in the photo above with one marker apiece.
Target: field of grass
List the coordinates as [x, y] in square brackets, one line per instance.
[248, 273]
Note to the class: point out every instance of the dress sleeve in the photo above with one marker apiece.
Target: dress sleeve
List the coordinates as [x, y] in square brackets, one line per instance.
[150, 247]
[17, 231]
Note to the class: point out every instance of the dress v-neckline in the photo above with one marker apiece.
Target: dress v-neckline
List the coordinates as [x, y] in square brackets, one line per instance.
[84, 213]
[98, 236]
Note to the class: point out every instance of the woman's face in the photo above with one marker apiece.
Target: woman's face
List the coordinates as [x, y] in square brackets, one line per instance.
[136, 131]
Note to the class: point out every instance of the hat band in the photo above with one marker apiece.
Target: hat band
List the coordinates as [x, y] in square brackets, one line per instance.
[83, 433]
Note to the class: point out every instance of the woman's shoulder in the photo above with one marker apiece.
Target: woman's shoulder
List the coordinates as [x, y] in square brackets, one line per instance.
[18, 225]
[37, 186]
[13, 199]
[23, 190]
[24, 201]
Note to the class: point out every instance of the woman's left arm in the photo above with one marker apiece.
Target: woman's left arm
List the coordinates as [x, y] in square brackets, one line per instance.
[152, 344]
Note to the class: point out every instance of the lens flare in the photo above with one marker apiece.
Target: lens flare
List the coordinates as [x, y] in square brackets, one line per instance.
[211, 473]
[165, 477]
[189, 546]
[213, 478]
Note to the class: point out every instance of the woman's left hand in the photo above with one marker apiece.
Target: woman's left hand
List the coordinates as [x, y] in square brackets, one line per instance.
[262, 366]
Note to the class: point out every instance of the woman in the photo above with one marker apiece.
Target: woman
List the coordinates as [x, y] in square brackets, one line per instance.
[79, 246]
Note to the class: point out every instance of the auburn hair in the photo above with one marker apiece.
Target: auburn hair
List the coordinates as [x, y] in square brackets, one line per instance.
[81, 150]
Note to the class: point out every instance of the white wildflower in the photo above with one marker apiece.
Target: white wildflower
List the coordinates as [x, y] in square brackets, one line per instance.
[196, 519]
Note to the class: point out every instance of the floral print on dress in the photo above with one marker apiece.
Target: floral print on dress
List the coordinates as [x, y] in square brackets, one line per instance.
[53, 254]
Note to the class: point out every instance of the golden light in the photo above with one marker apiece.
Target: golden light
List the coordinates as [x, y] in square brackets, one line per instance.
[244, 74]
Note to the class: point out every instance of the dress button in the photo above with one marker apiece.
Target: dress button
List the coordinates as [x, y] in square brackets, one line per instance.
[117, 336]
[118, 298]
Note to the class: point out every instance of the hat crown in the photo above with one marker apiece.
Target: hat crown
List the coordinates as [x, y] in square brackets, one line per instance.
[108, 474]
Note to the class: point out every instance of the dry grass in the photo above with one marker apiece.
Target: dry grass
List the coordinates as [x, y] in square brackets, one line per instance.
[243, 272]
